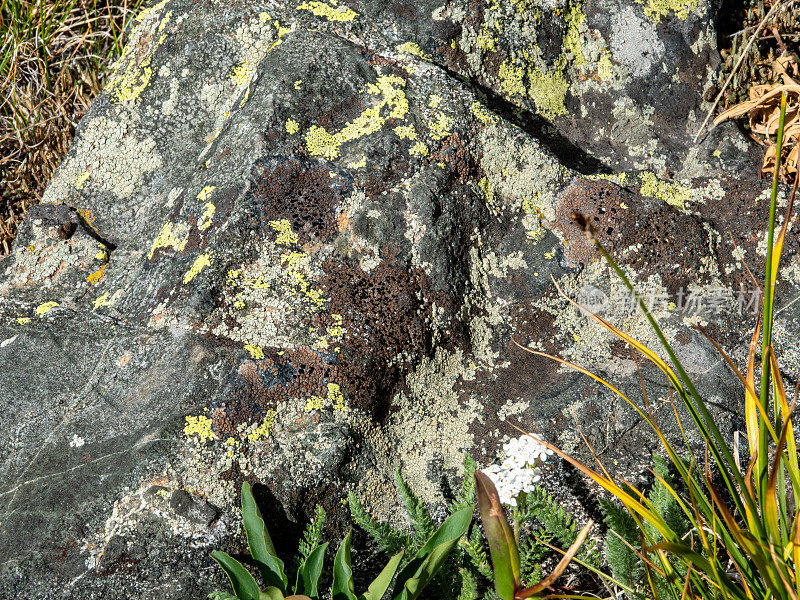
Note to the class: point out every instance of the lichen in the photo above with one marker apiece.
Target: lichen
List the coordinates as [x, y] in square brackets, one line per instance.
[44, 308]
[413, 49]
[321, 142]
[167, 238]
[113, 153]
[292, 126]
[200, 427]
[200, 263]
[330, 12]
[204, 222]
[548, 90]
[656, 10]
[671, 192]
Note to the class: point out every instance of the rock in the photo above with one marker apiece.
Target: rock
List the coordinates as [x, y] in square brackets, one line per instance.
[292, 244]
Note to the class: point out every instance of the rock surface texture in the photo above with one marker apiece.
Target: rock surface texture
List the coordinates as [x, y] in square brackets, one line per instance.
[293, 241]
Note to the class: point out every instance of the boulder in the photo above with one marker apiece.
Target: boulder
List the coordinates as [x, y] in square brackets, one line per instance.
[294, 244]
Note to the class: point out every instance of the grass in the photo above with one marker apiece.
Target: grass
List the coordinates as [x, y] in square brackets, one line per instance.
[54, 57]
[739, 535]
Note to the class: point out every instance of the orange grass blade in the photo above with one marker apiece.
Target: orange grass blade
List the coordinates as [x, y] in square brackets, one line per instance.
[750, 401]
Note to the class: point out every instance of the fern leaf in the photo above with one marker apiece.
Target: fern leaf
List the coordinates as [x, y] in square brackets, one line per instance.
[421, 520]
[312, 536]
[474, 549]
[625, 565]
[385, 536]
[466, 495]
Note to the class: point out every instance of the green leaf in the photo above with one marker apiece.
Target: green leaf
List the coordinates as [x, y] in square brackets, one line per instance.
[343, 588]
[382, 582]
[222, 596]
[309, 572]
[502, 542]
[271, 593]
[261, 548]
[418, 573]
[242, 582]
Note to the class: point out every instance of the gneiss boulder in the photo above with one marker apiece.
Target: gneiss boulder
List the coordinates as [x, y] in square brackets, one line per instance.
[291, 243]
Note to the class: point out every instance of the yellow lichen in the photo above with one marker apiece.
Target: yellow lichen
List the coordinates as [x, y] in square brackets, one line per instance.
[204, 222]
[671, 192]
[166, 238]
[23, 320]
[658, 9]
[200, 427]
[414, 50]
[101, 300]
[604, 66]
[548, 90]
[44, 308]
[575, 20]
[440, 128]
[328, 12]
[419, 150]
[511, 79]
[483, 115]
[264, 429]
[206, 192]
[486, 41]
[406, 132]
[292, 126]
[81, 179]
[200, 263]
[256, 351]
[286, 236]
[95, 277]
[241, 74]
[321, 142]
[358, 164]
[434, 101]
[297, 84]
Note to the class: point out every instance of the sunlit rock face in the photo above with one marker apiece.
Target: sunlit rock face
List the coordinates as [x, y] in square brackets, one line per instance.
[294, 244]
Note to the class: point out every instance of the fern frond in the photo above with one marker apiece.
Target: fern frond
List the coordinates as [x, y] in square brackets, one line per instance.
[421, 520]
[474, 549]
[312, 536]
[625, 565]
[385, 536]
[466, 495]
[469, 585]
[554, 519]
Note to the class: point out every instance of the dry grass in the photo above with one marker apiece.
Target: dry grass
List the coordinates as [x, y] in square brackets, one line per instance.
[54, 56]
